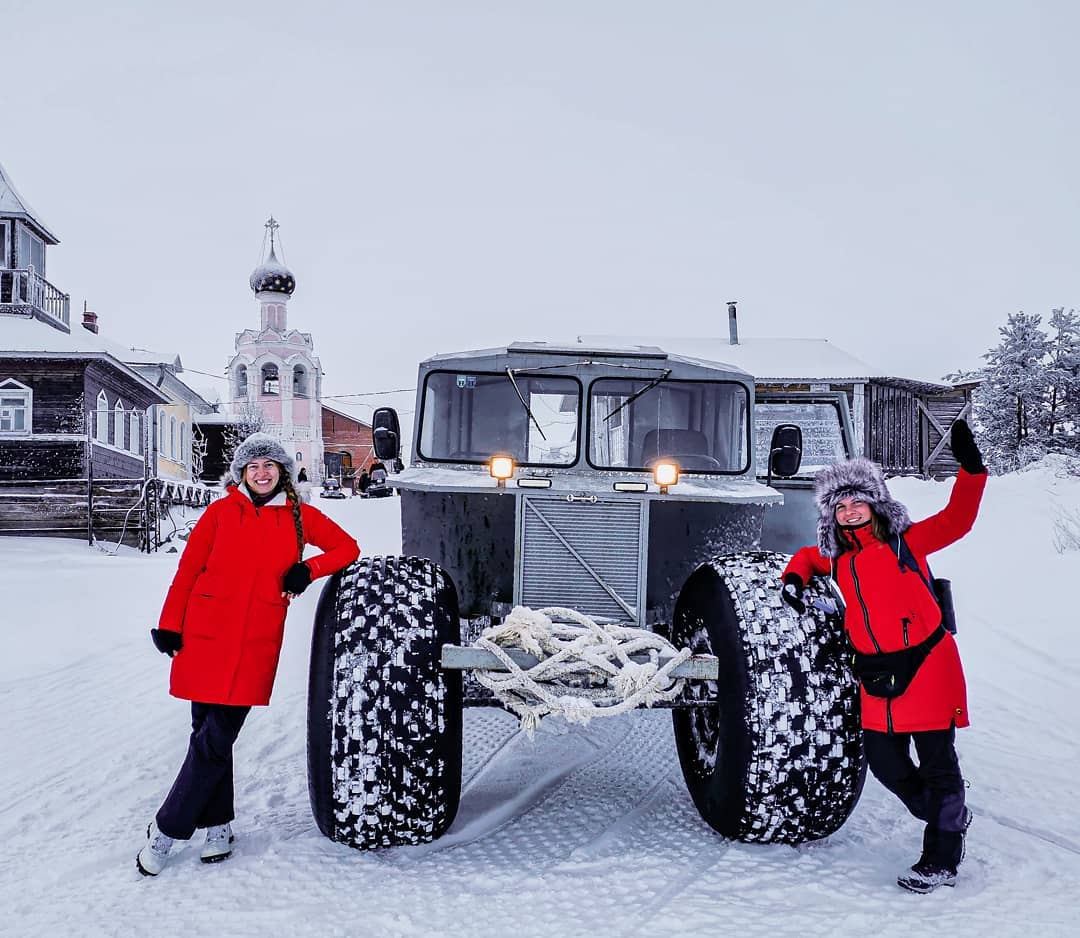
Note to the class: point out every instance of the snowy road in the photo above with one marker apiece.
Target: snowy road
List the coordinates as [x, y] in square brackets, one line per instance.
[580, 832]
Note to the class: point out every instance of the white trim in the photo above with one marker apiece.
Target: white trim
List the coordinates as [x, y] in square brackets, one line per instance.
[102, 436]
[5, 242]
[119, 424]
[16, 388]
[134, 433]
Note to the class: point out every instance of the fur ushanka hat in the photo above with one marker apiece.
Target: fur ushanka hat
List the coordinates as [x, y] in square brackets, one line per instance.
[854, 478]
[261, 446]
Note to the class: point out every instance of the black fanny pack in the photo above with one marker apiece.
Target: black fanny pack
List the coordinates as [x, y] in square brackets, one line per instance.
[890, 673]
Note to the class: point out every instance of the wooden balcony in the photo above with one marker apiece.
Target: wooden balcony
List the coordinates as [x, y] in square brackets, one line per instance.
[28, 293]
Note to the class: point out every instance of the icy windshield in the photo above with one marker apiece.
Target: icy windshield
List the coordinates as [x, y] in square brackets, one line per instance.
[701, 425]
[470, 416]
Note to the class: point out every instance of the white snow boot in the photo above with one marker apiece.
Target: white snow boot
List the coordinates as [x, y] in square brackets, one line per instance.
[152, 858]
[923, 877]
[219, 841]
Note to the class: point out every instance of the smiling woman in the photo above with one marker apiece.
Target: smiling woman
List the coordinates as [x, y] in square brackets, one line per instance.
[223, 624]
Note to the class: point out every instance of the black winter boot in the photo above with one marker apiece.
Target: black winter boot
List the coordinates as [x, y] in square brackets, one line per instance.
[942, 853]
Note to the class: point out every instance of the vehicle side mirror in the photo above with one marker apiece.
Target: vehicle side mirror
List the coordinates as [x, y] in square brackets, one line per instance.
[386, 434]
[785, 451]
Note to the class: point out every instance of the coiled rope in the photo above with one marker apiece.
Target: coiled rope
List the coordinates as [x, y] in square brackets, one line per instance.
[573, 647]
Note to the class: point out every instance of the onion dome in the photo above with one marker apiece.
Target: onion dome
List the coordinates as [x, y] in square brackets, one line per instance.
[271, 276]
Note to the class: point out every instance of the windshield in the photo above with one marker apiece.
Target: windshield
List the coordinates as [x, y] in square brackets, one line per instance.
[701, 425]
[469, 417]
[822, 438]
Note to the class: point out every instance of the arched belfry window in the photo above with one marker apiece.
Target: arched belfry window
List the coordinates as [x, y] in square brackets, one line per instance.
[271, 382]
[241, 383]
[300, 381]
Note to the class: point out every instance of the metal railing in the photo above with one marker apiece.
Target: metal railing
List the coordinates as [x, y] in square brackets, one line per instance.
[24, 290]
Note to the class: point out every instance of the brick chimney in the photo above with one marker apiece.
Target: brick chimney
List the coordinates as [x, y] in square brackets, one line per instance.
[89, 320]
[732, 323]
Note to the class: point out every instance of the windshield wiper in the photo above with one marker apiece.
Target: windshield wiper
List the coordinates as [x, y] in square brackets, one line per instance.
[510, 375]
[633, 397]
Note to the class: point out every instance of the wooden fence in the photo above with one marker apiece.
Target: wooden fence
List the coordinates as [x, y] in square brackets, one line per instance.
[125, 510]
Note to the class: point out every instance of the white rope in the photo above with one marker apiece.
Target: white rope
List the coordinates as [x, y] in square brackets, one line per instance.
[597, 658]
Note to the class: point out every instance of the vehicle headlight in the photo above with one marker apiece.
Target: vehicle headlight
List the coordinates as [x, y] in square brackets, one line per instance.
[665, 473]
[501, 468]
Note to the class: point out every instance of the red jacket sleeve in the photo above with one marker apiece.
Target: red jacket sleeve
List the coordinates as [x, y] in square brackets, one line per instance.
[807, 563]
[339, 549]
[953, 521]
[192, 563]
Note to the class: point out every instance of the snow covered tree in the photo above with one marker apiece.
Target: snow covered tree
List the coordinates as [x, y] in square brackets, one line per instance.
[1063, 375]
[249, 420]
[1011, 405]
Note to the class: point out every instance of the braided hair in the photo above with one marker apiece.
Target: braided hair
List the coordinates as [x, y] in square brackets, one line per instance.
[298, 521]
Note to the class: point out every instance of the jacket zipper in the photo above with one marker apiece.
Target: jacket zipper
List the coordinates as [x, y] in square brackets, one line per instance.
[888, 714]
[906, 622]
[862, 603]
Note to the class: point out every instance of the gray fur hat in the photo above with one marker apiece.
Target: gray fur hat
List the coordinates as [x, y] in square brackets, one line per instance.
[261, 446]
[854, 478]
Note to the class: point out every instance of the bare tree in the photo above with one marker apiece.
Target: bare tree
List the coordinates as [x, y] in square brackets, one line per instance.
[198, 453]
[249, 420]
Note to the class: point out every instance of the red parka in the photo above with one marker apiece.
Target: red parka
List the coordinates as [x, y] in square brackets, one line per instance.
[226, 596]
[898, 608]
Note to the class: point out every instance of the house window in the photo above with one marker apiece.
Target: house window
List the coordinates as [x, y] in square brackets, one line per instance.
[161, 433]
[172, 438]
[31, 251]
[183, 442]
[5, 244]
[134, 434]
[118, 424]
[271, 383]
[16, 405]
[101, 431]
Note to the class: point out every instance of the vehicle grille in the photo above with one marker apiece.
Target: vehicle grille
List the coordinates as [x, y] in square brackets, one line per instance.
[570, 551]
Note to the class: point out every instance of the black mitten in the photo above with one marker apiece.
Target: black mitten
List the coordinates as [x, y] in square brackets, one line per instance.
[167, 642]
[792, 593]
[297, 579]
[964, 449]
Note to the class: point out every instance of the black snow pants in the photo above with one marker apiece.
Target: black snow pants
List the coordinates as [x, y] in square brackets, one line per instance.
[202, 795]
[933, 790]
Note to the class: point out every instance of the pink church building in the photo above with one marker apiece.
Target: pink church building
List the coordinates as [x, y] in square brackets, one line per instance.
[275, 371]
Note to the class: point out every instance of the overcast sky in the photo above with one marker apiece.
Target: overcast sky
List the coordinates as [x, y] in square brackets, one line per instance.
[895, 177]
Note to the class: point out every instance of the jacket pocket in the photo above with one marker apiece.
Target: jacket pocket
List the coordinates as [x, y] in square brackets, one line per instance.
[208, 609]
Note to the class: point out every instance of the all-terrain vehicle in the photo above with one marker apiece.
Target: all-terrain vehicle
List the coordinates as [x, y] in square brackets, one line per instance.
[633, 486]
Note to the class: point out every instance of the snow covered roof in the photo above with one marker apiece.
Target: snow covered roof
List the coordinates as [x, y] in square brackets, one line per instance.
[14, 205]
[771, 360]
[361, 413]
[23, 336]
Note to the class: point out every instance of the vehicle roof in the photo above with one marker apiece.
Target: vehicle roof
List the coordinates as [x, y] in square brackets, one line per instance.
[650, 355]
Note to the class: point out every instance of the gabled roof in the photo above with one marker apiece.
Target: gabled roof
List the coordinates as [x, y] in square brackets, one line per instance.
[780, 361]
[13, 205]
[23, 336]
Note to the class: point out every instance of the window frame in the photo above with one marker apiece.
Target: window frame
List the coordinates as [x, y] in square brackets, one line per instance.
[102, 435]
[12, 387]
[497, 374]
[748, 412]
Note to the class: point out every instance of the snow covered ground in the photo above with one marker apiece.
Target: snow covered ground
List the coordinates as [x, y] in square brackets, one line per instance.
[581, 832]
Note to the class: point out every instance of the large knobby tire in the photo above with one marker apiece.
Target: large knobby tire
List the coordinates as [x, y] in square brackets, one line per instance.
[778, 757]
[384, 719]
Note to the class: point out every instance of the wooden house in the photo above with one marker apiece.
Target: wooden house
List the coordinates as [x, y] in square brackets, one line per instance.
[74, 436]
[902, 423]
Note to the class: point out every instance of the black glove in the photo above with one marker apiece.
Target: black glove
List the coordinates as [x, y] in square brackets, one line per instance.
[792, 593]
[964, 448]
[168, 643]
[297, 579]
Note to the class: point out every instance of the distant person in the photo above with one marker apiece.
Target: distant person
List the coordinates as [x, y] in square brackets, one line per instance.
[302, 475]
[363, 481]
[908, 665]
[222, 625]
